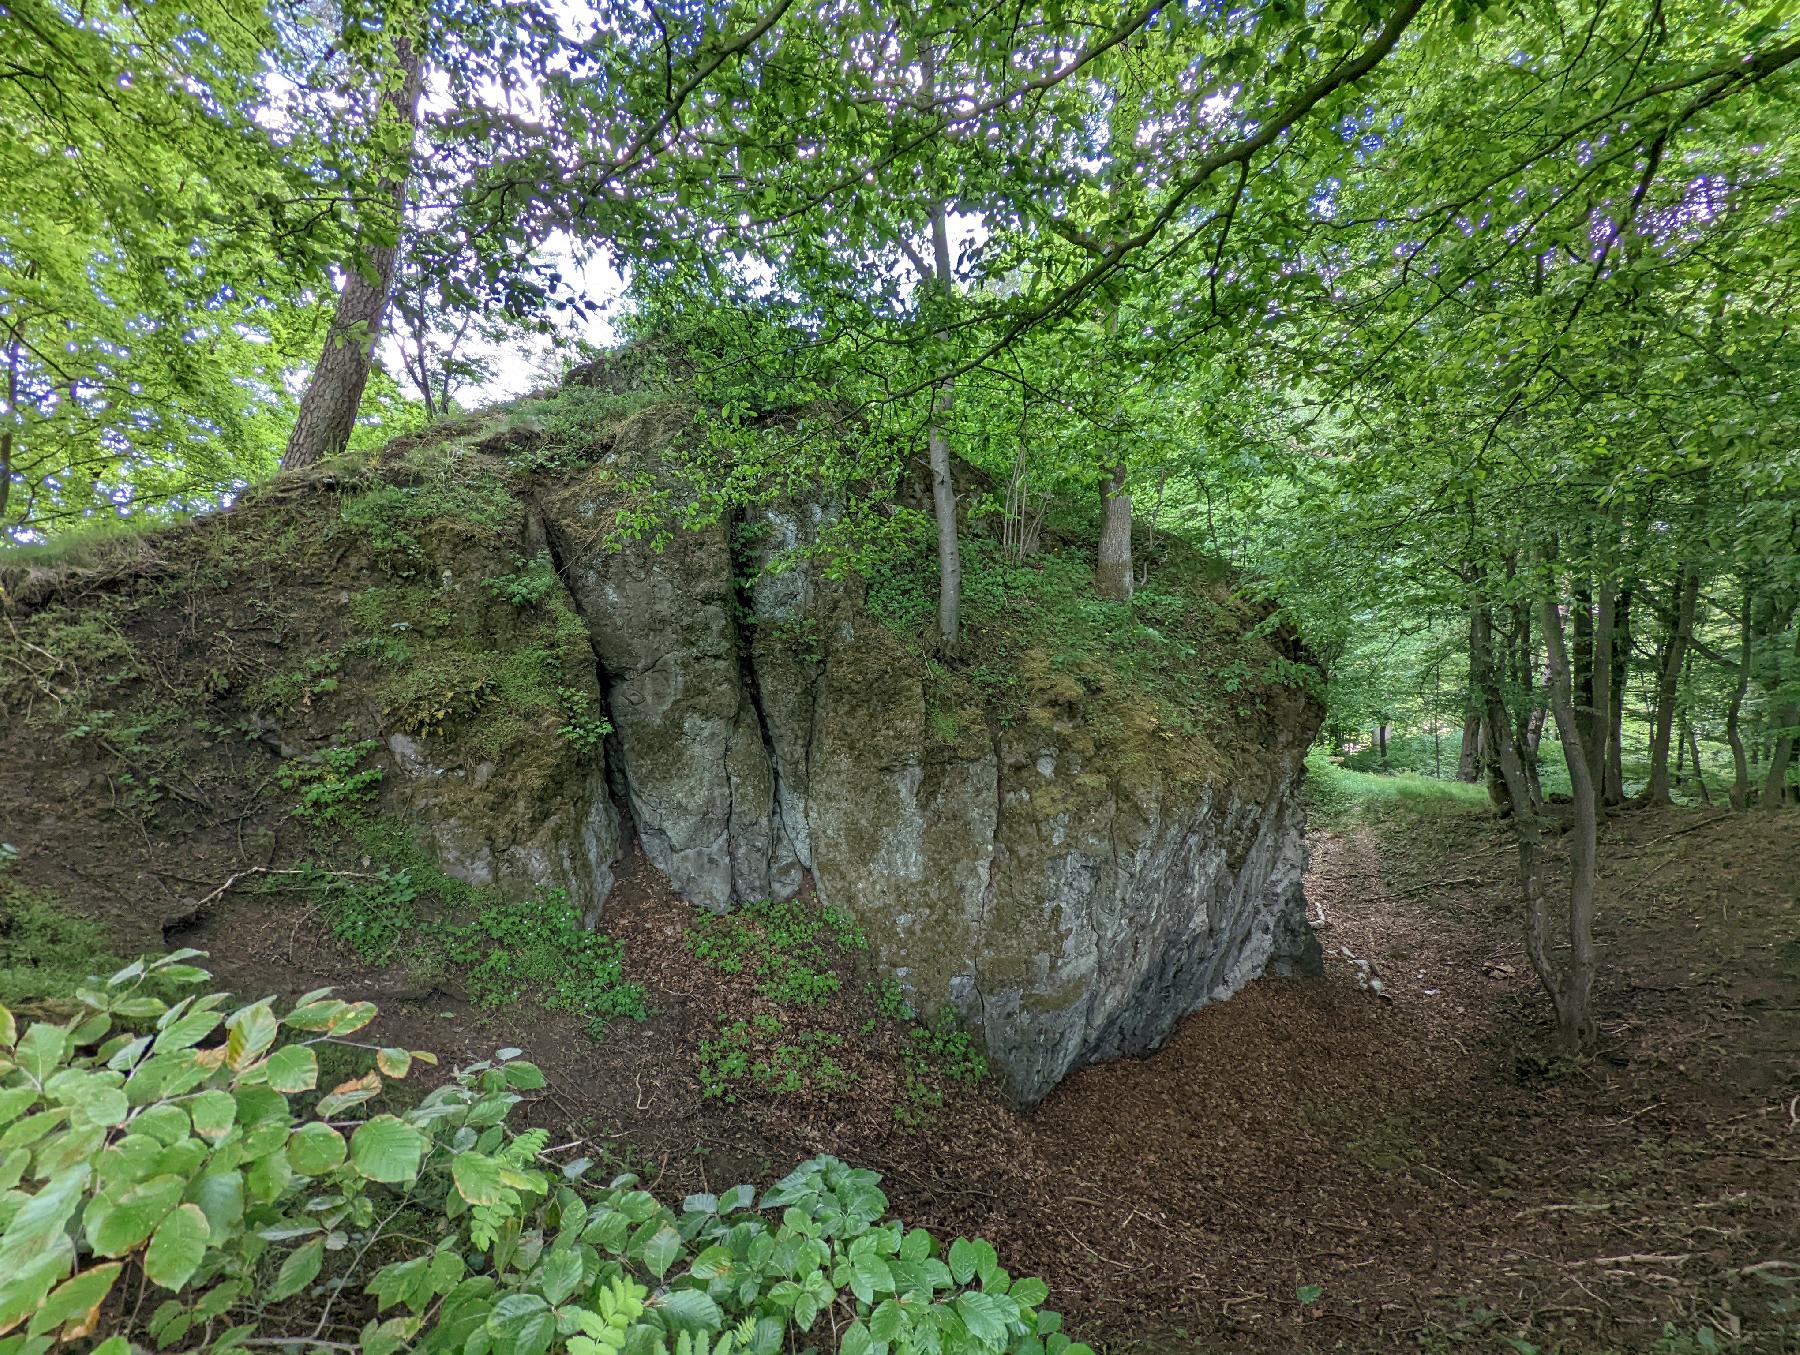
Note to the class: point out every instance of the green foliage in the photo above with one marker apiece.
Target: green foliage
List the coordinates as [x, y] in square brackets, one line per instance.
[161, 1150]
[45, 950]
[332, 787]
[754, 1051]
[784, 944]
[538, 945]
[529, 583]
[295, 690]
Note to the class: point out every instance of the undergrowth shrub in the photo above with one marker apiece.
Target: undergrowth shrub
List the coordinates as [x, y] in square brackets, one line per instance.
[166, 1184]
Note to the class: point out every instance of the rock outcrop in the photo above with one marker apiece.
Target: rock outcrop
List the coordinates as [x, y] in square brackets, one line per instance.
[1072, 874]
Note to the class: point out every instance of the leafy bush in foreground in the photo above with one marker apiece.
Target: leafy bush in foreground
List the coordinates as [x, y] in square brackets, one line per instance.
[169, 1172]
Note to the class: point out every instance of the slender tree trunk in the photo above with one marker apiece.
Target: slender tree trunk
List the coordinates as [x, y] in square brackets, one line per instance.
[1734, 733]
[1468, 759]
[1507, 776]
[1613, 780]
[1774, 791]
[1113, 573]
[943, 485]
[1693, 743]
[328, 408]
[14, 343]
[1573, 994]
[1599, 712]
[1668, 684]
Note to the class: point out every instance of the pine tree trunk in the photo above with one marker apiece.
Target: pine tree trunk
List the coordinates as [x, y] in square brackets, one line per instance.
[1113, 571]
[333, 396]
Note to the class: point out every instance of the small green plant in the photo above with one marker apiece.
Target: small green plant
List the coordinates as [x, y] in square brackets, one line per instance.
[586, 729]
[753, 1051]
[332, 788]
[783, 943]
[437, 710]
[539, 945]
[295, 690]
[934, 1053]
[890, 1000]
[529, 583]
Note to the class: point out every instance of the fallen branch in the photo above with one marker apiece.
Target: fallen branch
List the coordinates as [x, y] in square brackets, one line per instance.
[1638, 1259]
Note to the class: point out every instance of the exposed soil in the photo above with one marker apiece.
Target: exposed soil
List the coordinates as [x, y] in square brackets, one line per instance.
[1410, 1153]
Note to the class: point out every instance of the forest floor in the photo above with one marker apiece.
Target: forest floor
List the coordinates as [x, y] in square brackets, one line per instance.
[1316, 1165]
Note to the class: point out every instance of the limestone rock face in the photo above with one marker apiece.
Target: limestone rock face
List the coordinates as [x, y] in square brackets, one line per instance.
[1073, 881]
[519, 826]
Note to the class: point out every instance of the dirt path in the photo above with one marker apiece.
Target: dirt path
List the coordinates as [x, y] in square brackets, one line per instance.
[1378, 1160]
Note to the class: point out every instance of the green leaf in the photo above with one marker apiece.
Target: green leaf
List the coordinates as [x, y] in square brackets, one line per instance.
[661, 1250]
[689, 1310]
[115, 1226]
[558, 1274]
[963, 1258]
[315, 1149]
[387, 1149]
[712, 1263]
[213, 1112]
[985, 1316]
[75, 1299]
[1310, 1293]
[298, 1271]
[856, 1340]
[1029, 1291]
[869, 1276]
[293, 1068]
[22, 1288]
[14, 1101]
[477, 1178]
[250, 1032]
[521, 1324]
[177, 1247]
[41, 1051]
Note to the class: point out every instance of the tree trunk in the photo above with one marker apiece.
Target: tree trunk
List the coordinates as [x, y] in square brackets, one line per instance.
[1613, 779]
[333, 396]
[1734, 733]
[1693, 743]
[1573, 992]
[1507, 775]
[1468, 760]
[12, 415]
[1113, 574]
[1774, 791]
[1668, 684]
[1598, 716]
[943, 485]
